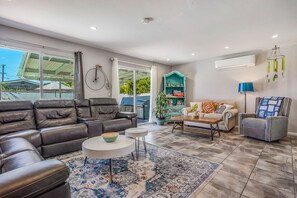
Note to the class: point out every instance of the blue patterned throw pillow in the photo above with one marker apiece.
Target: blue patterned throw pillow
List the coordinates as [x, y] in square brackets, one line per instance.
[269, 106]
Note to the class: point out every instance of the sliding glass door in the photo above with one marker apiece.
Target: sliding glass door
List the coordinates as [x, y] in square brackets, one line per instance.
[135, 92]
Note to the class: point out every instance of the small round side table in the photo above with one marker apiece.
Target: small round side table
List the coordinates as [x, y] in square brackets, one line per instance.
[137, 133]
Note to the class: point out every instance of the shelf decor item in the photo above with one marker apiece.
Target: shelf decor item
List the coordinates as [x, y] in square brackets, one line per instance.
[175, 89]
[273, 62]
[110, 137]
[161, 107]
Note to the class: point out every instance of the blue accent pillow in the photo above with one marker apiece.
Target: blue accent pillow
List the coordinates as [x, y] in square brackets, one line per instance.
[269, 106]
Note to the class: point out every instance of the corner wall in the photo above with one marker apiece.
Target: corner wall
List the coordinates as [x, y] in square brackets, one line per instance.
[205, 82]
[91, 56]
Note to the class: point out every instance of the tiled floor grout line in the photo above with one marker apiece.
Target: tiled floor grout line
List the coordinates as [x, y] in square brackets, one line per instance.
[293, 168]
[253, 170]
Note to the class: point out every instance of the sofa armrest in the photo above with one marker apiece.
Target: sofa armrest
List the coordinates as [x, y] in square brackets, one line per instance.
[276, 128]
[186, 110]
[230, 113]
[246, 115]
[33, 180]
[95, 128]
[242, 116]
[128, 115]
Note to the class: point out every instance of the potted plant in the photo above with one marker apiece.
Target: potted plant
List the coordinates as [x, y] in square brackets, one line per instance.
[161, 107]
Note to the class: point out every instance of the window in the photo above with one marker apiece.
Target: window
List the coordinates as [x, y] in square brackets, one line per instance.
[24, 77]
[135, 98]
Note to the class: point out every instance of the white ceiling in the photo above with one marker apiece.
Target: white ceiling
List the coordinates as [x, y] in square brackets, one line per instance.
[181, 27]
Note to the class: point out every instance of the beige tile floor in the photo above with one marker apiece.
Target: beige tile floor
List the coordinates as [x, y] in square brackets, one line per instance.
[250, 168]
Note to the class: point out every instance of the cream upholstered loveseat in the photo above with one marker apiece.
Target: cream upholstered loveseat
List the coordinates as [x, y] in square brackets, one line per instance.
[228, 116]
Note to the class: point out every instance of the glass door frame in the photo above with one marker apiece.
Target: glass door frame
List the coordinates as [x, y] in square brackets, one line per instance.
[135, 69]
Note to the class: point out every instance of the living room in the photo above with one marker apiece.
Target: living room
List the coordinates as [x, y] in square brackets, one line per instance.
[148, 98]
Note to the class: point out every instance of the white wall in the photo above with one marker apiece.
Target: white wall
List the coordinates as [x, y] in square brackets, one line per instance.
[91, 56]
[205, 82]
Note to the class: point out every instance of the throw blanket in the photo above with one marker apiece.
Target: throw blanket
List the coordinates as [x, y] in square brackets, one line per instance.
[269, 106]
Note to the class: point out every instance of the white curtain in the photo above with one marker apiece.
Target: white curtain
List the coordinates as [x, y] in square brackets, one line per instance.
[115, 90]
[154, 90]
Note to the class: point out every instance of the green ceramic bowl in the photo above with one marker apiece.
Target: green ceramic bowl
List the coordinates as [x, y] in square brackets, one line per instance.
[110, 137]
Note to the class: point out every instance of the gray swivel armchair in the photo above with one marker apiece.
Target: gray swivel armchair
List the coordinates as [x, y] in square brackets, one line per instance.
[269, 129]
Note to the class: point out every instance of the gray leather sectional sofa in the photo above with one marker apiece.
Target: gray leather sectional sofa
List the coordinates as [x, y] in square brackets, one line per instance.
[31, 132]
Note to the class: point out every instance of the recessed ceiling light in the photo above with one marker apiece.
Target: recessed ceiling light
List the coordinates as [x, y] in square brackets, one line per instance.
[193, 54]
[93, 28]
[147, 20]
[274, 36]
[226, 47]
[167, 59]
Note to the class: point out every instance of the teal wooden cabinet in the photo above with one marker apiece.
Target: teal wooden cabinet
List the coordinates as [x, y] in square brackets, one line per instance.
[175, 90]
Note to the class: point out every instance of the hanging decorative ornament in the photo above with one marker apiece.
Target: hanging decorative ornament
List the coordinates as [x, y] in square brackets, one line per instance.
[274, 60]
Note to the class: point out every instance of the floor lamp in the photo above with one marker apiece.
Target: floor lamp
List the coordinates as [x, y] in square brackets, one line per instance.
[243, 88]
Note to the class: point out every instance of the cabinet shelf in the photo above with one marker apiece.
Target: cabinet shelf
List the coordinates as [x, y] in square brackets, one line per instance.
[172, 97]
[177, 83]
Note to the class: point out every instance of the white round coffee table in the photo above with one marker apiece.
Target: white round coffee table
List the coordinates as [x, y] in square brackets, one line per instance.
[137, 133]
[97, 148]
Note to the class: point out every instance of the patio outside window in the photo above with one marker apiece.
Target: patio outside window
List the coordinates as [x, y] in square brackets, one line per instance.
[25, 77]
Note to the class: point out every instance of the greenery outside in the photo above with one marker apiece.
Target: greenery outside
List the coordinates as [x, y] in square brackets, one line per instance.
[142, 86]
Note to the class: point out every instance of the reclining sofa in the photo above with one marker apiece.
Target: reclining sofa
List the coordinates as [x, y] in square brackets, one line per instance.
[31, 132]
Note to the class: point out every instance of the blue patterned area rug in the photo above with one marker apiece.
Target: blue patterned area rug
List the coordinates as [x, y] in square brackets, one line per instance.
[162, 173]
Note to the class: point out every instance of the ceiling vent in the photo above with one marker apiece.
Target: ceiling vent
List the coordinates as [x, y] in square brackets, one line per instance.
[244, 61]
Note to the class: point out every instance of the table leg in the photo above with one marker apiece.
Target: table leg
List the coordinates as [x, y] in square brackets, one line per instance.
[211, 132]
[182, 126]
[138, 148]
[110, 171]
[86, 158]
[144, 144]
[177, 124]
[132, 156]
[219, 131]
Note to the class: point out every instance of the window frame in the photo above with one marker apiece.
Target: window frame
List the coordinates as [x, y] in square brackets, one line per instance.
[41, 55]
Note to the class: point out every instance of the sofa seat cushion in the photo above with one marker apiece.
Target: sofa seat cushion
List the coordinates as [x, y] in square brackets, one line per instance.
[254, 123]
[63, 133]
[33, 136]
[116, 125]
[213, 115]
[15, 145]
[19, 160]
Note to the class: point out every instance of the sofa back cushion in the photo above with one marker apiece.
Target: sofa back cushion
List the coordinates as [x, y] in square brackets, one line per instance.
[199, 105]
[208, 107]
[104, 108]
[16, 116]
[51, 113]
[83, 108]
[284, 109]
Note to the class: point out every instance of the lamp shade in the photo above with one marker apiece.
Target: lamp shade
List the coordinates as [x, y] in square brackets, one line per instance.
[245, 87]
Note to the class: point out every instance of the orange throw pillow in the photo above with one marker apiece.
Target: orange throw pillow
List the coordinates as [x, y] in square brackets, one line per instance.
[208, 107]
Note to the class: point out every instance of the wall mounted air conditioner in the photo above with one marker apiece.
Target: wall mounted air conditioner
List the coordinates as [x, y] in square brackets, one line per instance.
[246, 61]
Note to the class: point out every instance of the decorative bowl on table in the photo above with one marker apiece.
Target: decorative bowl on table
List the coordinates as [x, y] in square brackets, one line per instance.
[110, 137]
